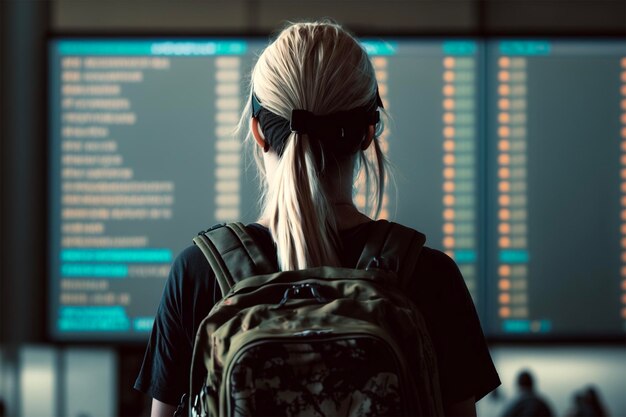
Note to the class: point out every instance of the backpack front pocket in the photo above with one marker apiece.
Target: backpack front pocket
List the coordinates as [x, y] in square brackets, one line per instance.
[316, 374]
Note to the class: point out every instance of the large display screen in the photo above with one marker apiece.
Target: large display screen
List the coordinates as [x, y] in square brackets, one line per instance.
[556, 147]
[143, 155]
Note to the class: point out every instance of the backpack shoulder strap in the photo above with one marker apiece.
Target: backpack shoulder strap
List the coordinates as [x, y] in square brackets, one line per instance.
[232, 254]
[392, 246]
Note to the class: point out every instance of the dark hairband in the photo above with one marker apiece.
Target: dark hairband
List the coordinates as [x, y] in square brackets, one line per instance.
[342, 131]
[303, 121]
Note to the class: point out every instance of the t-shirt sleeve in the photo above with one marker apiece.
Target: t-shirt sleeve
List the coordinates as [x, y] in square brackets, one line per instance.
[186, 299]
[465, 365]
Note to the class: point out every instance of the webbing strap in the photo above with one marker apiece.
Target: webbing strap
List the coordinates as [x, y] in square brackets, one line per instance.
[232, 254]
[261, 264]
[396, 245]
[224, 279]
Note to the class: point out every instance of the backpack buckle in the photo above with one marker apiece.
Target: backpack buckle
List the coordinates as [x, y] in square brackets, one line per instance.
[298, 291]
[380, 262]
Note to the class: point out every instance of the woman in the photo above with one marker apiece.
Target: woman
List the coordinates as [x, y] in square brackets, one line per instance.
[311, 76]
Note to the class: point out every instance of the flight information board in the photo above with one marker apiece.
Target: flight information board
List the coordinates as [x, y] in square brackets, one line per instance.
[143, 155]
[508, 154]
[557, 209]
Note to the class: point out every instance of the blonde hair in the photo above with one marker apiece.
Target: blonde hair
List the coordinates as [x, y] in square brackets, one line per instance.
[321, 68]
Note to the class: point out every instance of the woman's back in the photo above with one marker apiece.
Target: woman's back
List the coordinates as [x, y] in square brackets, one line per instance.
[465, 368]
[315, 114]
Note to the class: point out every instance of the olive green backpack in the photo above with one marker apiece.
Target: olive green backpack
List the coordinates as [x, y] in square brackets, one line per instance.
[323, 341]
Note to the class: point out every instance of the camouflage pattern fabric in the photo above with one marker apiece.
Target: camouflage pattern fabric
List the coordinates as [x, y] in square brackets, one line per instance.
[355, 377]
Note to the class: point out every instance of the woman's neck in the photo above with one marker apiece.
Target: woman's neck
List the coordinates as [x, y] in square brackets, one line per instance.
[346, 214]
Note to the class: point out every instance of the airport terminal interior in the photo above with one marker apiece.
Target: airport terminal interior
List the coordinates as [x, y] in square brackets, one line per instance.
[505, 124]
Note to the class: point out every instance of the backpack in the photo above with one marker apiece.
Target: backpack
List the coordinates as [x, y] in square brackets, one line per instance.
[324, 341]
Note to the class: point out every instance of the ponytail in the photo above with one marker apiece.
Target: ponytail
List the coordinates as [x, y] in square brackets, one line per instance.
[301, 219]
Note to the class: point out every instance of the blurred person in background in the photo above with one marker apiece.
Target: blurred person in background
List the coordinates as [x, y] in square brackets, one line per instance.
[592, 397]
[528, 403]
[587, 403]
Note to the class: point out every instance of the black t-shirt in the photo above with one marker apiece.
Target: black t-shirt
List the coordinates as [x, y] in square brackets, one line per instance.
[465, 366]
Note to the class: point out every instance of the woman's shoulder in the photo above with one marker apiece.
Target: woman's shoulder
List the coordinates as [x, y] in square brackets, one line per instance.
[436, 259]
[189, 259]
[439, 268]
[432, 259]
[190, 273]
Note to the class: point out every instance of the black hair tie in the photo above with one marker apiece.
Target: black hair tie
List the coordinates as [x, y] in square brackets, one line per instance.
[341, 132]
[303, 121]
